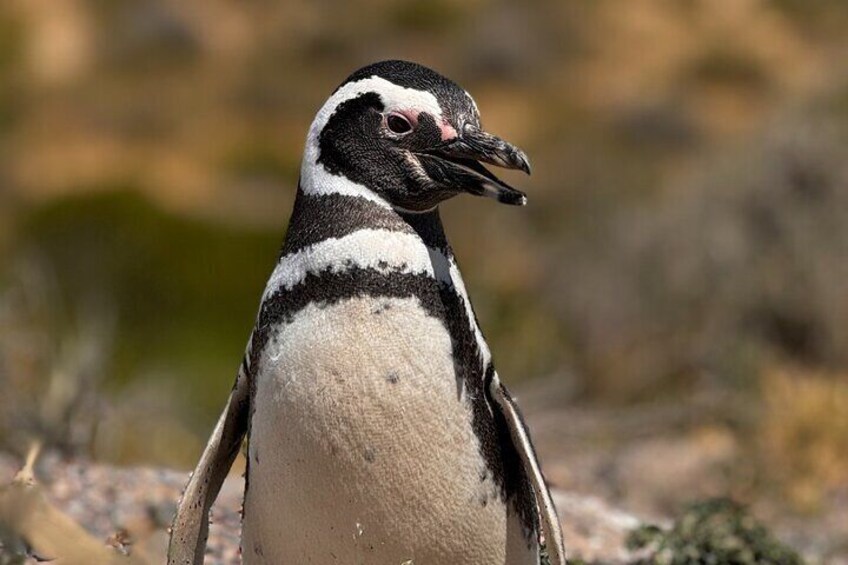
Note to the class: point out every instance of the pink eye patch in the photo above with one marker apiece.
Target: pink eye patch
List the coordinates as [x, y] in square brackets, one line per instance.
[447, 130]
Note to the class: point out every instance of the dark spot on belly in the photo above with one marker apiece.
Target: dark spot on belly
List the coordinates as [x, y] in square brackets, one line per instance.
[257, 549]
[393, 378]
[380, 308]
[369, 454]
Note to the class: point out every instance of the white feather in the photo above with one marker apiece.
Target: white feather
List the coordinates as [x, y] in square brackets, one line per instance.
[383, 250]
[459, 285]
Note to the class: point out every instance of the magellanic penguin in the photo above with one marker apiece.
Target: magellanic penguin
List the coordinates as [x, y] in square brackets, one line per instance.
[379, 431]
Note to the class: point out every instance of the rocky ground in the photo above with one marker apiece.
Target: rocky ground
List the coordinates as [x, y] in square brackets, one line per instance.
[642, 466]
[131, 509]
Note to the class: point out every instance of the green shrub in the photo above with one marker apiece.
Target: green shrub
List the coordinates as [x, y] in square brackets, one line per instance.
[716, 531]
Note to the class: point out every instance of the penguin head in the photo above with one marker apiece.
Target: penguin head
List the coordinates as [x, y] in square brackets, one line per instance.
[411, 136]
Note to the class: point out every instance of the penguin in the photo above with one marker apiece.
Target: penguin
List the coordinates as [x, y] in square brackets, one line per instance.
[378, 430]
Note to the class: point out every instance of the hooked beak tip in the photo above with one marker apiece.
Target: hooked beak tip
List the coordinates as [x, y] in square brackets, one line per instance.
[523, 162]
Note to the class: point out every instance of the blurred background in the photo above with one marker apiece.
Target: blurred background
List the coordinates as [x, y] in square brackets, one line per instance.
[671, 306]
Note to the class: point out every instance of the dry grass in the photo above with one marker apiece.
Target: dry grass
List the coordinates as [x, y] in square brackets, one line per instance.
[804, 433]
[38, 529]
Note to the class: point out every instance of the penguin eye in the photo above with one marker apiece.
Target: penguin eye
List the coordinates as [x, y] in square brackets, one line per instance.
[398, 124]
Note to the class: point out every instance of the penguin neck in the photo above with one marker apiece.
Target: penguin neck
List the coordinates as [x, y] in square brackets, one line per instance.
[322, 215]
[428, 226]
[344, 244]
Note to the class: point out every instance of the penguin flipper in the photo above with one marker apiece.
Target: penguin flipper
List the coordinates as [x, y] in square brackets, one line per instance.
[191, 523]
[524, 446]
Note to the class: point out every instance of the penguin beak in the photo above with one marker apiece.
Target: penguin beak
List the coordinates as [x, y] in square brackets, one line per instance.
[457, 165]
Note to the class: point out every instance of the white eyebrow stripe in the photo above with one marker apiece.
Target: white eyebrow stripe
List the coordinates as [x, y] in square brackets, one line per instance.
[393, 97]
[315, 179]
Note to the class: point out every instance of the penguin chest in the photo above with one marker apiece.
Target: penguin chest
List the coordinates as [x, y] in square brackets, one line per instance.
[362, 448]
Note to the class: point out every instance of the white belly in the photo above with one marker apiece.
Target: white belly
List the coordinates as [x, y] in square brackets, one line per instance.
[362, 452]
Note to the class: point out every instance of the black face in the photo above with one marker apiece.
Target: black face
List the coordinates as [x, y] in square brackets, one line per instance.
[415, 153]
